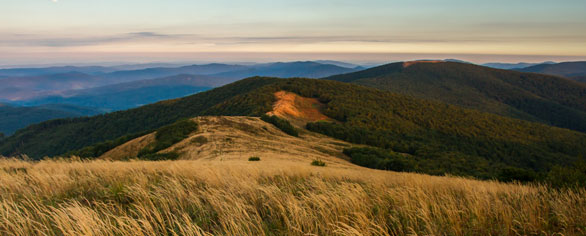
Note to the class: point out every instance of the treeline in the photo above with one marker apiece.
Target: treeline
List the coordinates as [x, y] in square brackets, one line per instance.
[570, 176]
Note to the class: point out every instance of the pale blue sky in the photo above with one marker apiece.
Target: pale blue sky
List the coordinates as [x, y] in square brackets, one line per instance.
[36, 31]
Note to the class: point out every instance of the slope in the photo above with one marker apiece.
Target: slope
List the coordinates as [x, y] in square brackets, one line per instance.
[13, 118]
[238, 138]
[534, 97]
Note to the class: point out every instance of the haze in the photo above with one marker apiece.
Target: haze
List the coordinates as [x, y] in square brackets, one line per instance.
[89, 31]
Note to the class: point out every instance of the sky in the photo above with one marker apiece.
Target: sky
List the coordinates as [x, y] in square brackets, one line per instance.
[91, 31]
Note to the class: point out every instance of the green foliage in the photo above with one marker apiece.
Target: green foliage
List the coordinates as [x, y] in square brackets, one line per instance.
[254, 159]
[509, 174]
[281, 124]
[13, 118]
[379, 159]
[568, 176]
[160, 156]
[533, 97]
[318, 163]
[165, 137]
[1, 136]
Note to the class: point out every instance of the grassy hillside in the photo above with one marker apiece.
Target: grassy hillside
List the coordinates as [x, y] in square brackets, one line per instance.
[270, 198]
[534, 97]
[436, 137]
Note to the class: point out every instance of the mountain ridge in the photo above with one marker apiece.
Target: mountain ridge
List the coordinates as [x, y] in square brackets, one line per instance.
[534, 97]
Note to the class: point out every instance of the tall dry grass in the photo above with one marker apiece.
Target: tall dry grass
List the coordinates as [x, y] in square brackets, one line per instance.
[269, 198]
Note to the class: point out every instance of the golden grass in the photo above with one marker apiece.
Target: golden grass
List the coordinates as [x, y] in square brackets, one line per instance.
[59, 197]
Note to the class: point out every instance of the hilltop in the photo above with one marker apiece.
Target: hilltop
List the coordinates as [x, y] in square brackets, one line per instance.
[239, 137]
[534, 97]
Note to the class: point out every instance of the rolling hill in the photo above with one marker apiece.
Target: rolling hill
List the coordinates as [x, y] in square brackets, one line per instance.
[569, 70]
[13, 118]
[418, 135]
[534, 97]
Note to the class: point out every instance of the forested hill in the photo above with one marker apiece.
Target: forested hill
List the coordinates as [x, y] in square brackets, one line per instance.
[440, 138]
[535, 97]
[572, 70]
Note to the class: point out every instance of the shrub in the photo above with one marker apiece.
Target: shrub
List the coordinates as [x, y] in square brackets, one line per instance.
[509, 174]
[281, 124]
[377, 158]
[160, 156]
[568, 176]
[200, 140]
[254, 159]
[318, 163]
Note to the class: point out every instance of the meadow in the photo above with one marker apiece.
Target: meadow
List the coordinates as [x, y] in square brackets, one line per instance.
[270, 197]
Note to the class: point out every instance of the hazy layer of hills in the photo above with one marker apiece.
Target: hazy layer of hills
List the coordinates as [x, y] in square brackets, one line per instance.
[572, 70]
[438, 138]
[534, 97]
[136, 93]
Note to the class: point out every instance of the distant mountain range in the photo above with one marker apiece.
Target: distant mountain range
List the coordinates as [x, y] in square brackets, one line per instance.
[31, 83]
[535, 97]
[572, 70]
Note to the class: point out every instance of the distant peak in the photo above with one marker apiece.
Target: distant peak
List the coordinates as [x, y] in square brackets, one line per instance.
[410, 63]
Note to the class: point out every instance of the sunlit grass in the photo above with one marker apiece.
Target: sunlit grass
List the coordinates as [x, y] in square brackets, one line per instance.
[61, 197]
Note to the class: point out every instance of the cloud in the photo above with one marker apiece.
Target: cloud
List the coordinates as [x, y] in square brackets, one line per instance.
[76, 41]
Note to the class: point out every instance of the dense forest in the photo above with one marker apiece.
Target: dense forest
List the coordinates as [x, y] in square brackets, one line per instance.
[534, 97]
[419, 135]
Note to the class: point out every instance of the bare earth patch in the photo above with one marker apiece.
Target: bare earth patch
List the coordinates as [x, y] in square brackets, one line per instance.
[298, 110]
